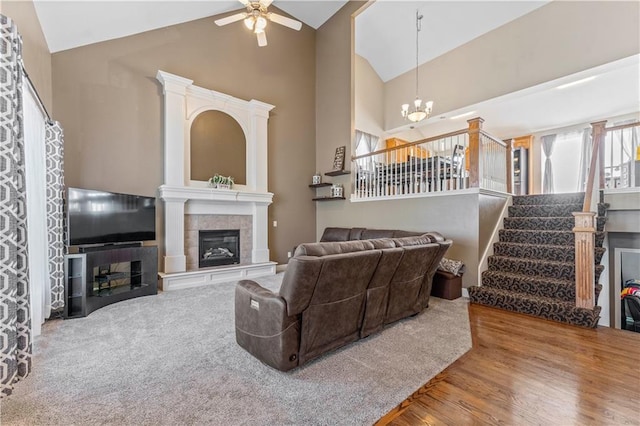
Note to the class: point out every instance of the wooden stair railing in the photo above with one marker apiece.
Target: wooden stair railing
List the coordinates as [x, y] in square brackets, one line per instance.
[585, 228]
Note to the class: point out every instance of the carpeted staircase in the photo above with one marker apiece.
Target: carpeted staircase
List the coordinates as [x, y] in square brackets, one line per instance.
[532, 270]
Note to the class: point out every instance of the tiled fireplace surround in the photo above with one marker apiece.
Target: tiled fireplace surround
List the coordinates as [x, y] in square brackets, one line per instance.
[193, 223]
[190, 205]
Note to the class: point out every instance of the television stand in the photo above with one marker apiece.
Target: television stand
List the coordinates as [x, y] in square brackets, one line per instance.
[97, 278]
[88, 249]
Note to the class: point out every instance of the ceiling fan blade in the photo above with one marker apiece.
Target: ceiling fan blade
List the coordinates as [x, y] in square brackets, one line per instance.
[229, 19]
[244, 2]
[262, 38]
[266, 3]
[283, 20]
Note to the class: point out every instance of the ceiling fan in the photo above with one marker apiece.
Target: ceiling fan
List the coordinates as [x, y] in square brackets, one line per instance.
[256, 17]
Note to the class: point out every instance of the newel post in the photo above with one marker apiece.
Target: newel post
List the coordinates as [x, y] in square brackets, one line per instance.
[509, 143]
[584, 232]
[598, 132]
[475, 152]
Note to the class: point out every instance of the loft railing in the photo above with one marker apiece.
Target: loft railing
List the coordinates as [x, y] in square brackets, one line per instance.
[619, 155]
[454, 161]
[494, 157]
[602, 173]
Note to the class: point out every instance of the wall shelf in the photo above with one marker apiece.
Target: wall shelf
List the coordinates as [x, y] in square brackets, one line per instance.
[328, 198]
[319, 185]
[337, 173]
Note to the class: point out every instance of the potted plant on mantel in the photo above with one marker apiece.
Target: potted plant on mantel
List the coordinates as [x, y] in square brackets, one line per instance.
[221, 182]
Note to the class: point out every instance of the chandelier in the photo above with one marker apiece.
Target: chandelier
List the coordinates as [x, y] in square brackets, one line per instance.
[418, 112]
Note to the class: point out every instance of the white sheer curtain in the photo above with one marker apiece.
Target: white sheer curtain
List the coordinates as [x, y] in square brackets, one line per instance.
[35, 163]
[547, 147]
[366, 143]
[585, 159]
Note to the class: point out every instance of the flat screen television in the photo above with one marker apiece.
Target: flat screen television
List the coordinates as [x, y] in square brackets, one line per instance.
[99, 217]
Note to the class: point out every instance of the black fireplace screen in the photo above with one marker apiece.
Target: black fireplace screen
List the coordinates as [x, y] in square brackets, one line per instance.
[218, 248]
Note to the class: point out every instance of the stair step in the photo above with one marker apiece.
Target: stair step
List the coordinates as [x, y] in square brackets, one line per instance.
[540, 286]
[540, 252]
[569, 198]
[538, 268]
[547, 223]
[533, 268]
[602, 209]
[555, 238]
[544, 210]
[539, 306]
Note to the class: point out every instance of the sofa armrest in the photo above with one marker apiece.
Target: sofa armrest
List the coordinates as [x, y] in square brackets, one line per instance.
[263, 327]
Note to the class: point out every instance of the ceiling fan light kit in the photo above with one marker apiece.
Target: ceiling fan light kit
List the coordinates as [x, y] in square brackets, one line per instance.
[256, 18]
[418, 112]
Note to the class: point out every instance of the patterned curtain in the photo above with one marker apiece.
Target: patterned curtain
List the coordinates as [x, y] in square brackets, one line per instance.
[55, 217]
[15, 331]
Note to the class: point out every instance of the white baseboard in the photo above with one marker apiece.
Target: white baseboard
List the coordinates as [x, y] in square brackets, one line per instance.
[202, 277]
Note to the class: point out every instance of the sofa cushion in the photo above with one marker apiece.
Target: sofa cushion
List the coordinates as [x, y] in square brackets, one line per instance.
[412, 241]
[455, 267]
[436, 237]
[356, 233]
[334, 315]
[378, 290]
[401, 234]
[335, 234]
[407, 284]
[298, 283]
[383, 243]
[369, 234]
[327, 248]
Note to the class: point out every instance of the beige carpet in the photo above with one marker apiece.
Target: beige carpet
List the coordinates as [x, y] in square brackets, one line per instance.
[172, 359]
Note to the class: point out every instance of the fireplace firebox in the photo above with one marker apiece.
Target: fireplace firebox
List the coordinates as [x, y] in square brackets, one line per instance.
[218, 247]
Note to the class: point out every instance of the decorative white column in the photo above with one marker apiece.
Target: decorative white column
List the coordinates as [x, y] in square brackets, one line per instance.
[175, 114]
[174, 257]
[257, 153]
[175, 111]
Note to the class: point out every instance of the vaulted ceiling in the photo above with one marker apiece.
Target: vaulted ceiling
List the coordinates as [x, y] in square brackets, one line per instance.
[385, 31]
[386, 37]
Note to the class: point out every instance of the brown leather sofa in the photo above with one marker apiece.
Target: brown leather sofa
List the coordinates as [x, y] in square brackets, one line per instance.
[351, 234]
[334, 293]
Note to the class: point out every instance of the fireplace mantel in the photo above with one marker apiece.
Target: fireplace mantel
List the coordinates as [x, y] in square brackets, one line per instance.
[211, 195]
[183, 102]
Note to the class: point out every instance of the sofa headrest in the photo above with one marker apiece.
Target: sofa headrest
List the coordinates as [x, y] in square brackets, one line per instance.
[335, 234]
[370, 234]
[356, 234]
[326, 248]
[383, 243]
[413, 241]
[351, 234]
[436, 237]
[402, 234]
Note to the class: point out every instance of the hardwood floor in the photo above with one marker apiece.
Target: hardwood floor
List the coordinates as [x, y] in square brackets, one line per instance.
[523, 370]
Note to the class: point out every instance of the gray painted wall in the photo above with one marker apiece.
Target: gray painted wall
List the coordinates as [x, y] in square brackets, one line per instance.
[454, 216]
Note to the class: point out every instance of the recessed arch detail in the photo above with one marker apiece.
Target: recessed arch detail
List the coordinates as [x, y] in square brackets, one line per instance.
[183, 102]
[217, 145]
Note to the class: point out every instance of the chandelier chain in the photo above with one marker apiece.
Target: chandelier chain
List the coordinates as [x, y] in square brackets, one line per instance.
[418, 28]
